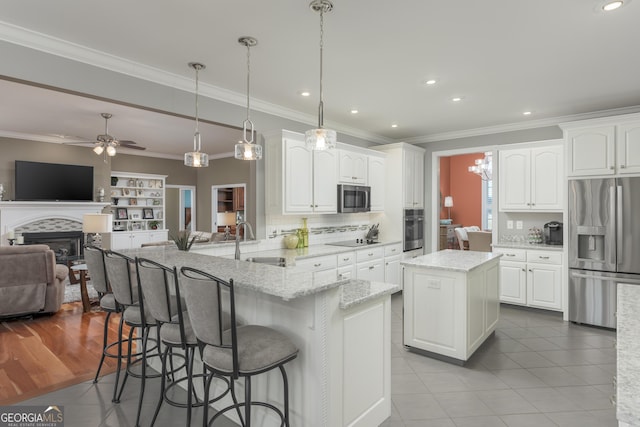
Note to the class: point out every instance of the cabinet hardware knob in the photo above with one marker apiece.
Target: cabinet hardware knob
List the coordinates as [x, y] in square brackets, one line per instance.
[317, 265]
[316, 206]
[346, 259]
[371, 267]
[622, 166]
[310, 206]
[524, 270]
[370, 254]
[543, 257]
[612, 167]
[510, 254]
[612, 399]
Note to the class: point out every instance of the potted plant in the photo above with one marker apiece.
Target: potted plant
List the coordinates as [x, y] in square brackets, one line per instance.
[154, 225]
[114, 181]
[183, 240]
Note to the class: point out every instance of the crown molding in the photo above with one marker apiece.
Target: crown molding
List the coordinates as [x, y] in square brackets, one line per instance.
[511, 127]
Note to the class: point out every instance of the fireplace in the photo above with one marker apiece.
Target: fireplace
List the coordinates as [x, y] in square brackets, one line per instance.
[67, 245]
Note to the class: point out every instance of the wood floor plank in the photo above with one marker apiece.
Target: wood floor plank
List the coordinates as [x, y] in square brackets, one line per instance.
[45, 353]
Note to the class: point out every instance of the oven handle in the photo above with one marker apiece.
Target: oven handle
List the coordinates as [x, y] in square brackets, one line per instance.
[606, 278]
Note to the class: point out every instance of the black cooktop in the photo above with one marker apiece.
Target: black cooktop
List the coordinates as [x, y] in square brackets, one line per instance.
[353, 243]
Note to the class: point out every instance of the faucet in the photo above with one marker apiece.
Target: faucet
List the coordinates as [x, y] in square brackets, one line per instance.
[251, 236]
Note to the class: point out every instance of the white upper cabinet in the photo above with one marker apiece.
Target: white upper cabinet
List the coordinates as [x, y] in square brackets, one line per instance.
[611, 148]
[531, 179]
[376, 180]
[413, 177]
[352, 167]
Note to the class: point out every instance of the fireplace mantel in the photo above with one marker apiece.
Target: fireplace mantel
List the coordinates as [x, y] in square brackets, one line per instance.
[17, 214]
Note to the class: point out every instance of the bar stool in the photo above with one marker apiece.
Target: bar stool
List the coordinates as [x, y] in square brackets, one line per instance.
[135, 315]
[94, 258]
[161, 290]
[242, 351]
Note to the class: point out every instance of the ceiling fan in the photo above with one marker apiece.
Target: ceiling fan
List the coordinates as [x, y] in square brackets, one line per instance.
[108, 143]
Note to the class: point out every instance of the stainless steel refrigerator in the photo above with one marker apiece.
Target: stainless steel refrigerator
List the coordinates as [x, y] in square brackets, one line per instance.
[604, 246]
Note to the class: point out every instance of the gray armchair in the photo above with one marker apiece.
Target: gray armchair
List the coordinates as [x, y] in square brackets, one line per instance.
[30, 280]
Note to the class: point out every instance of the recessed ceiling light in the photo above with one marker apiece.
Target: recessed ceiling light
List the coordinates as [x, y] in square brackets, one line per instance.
[527, 113]
[456, 99]
[394, 125]
[305, 93]
[354, 111]
[430, 82]
[612, 5]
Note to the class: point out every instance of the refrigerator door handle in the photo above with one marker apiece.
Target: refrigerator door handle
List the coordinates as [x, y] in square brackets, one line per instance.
[606, 278]
[619, 226]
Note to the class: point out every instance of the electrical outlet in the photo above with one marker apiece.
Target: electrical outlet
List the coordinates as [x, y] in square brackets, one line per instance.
[510, 225]
[519, 225]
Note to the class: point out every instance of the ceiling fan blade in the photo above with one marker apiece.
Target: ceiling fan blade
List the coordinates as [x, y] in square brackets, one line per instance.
[130, 144]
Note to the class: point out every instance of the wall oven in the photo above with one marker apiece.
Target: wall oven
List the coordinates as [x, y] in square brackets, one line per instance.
[413, 229]
[354, 198]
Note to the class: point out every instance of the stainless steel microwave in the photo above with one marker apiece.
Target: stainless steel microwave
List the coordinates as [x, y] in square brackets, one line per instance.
[354, 198]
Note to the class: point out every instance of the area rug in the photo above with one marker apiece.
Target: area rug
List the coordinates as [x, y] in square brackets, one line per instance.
[72, 292]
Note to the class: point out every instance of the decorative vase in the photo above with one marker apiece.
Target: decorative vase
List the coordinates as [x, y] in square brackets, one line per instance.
[290, 241]
[114, 181]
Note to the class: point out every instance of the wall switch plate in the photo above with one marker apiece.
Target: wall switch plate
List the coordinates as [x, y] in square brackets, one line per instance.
[510, 225]
[519, 225]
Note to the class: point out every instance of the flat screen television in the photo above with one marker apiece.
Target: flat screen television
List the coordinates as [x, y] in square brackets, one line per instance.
[53, 181]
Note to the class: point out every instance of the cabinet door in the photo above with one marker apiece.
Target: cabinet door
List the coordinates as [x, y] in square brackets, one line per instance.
[376, 180]
[513, 282]
[544, 283]
[392, 270]
[418, 183]
[515, 175]
[628, 148]
[373, 271]
[408, 178]
[325, 185]
[547, 178]
[121, 240]
[347, 272]
[352, 167]
[591, 151]
[298, 186]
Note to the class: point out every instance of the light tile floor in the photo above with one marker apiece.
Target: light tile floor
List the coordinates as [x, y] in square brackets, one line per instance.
[536, 371]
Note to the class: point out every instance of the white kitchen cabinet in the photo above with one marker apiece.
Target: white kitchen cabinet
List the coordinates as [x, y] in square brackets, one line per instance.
[392, 270]
[412, 254]
[352, 167]
[413, 173]
[376, 180]
[531, 179]
[531, 277]
[322, 267]
[370, 264]
[604, 148]
[133, 239]
[298, 180]
[347, 265]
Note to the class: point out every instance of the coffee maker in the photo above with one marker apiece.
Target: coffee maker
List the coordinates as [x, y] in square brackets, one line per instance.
[553, 233]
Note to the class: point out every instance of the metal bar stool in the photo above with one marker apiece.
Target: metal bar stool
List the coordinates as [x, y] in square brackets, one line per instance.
[242, 351]
[94, 258]
[119, 269]
[161, 290]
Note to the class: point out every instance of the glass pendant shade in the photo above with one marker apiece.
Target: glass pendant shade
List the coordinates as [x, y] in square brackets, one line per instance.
[111, 150]
[246, 151]
[98, 149]
[320, 139]
[196, 158]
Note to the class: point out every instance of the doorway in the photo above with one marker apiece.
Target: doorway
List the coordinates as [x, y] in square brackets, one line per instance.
[180, 207]
[228, 207]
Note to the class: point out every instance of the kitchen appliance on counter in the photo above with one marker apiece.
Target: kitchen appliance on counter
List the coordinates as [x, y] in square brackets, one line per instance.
[604, 243]
[355, 243]
[553, 233]
[413, 229]
[354, 198]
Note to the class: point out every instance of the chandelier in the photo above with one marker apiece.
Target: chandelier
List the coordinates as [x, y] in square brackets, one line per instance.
[483, 167]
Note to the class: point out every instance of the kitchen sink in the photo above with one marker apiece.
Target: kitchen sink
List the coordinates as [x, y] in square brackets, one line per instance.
[277, 261]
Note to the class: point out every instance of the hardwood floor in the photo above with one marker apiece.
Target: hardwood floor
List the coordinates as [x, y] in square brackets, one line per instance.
[46, 353]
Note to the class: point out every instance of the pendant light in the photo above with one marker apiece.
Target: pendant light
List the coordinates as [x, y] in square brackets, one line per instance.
[320, 138]
[246, 149]
[196, 158]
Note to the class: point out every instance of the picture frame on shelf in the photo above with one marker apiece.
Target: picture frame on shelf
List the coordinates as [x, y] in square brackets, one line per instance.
[149, 202]
[133, 202]
[139, 192]
[121, 213]
[125, 192]
[136, 226]
[131, 182]
[140, 183]
[147, 213]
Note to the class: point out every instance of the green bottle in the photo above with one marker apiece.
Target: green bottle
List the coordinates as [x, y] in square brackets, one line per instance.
[305, 233]
[300, 239]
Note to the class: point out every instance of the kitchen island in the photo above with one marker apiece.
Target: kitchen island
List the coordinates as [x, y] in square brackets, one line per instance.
[342, 328]
[451, 302]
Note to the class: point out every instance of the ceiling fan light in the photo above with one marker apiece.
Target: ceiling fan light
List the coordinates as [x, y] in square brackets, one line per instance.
[111, 150]
[612, 5]
[196, 159]
[320, 139]
[247, 151]
[98, 149]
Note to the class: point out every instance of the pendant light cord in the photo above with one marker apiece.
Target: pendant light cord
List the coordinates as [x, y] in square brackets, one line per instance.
[321, 105]
[196, 139]
[247, 126]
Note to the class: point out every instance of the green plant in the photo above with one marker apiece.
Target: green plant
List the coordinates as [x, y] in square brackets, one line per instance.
[183, 240]
[154, 225]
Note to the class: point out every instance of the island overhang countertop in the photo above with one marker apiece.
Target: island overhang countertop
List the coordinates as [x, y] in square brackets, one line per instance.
[452, 260]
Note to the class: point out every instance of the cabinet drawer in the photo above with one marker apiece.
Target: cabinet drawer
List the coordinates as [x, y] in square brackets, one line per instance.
[317, 263]
[347, 258]
[370, 254]
[544, 257]
[509, 254]
[395, 249]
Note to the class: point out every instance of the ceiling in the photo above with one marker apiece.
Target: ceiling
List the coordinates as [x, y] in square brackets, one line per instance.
[556, 59]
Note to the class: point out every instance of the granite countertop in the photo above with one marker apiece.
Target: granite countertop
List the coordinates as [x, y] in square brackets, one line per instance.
[524, 245]
[452, 260]
[628, 347]
[285, 283]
